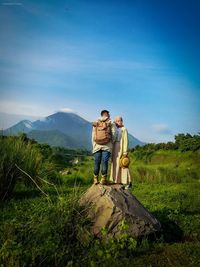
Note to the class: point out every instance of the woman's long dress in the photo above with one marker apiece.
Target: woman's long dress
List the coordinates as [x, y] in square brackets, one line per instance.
[120, 147]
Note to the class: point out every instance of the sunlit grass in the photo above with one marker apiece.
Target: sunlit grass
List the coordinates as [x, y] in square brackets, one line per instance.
[52, 229]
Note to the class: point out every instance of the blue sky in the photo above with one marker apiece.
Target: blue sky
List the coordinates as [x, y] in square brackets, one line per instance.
[139, 59]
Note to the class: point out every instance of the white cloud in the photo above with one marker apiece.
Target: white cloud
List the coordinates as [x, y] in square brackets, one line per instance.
[12, 4]
[14, 107]
[161, 128]
[31, 109]
[67, 110]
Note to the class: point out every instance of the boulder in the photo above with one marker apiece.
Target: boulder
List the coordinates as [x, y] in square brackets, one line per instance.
[110, 205]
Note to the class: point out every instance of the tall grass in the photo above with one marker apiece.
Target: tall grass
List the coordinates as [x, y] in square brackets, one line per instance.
[54, 231]
[163, 174]
[38, 232]
[166, 167]
[17, 155]
[81, 174]
[42, 232]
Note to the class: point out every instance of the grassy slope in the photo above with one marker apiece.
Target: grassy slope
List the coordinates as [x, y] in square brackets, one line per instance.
[166, 166]
[33, 228]
[170, 190]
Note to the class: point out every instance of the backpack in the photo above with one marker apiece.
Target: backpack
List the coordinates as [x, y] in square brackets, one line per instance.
[102, 134]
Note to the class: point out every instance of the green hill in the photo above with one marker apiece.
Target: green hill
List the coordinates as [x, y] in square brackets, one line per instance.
[54, 138]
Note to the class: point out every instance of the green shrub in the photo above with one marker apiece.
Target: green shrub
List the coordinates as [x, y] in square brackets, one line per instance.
[17, 154]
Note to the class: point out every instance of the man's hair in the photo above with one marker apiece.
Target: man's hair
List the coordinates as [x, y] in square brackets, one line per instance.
[104, 111]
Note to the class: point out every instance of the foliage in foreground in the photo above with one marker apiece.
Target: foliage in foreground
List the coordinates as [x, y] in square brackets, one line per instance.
[54, 231]
[17, 159]
[24, 160]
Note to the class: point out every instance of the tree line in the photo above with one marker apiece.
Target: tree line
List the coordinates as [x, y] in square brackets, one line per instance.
[183, 142]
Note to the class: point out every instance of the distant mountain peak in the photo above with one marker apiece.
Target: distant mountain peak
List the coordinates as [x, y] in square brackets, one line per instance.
[69, 115]
[23, 126]
[65, 129]
[27, 123]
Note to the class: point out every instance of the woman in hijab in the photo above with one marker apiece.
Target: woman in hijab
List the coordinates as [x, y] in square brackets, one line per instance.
[119, 174]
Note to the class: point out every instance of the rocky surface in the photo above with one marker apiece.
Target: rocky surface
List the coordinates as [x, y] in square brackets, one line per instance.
[109, 205]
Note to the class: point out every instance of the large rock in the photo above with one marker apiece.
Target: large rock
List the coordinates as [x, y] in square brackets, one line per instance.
[110, 205]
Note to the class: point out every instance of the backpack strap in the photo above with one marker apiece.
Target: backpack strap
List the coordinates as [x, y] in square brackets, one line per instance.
[95, 123]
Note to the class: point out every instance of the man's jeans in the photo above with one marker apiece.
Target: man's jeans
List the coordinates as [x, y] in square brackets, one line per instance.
[101, 156]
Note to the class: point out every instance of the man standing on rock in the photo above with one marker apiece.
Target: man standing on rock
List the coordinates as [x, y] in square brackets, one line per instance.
[103, 135]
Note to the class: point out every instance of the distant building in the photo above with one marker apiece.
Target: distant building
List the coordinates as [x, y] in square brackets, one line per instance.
[74, 161]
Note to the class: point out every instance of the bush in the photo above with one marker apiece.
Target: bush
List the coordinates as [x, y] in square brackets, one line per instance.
[17, 154]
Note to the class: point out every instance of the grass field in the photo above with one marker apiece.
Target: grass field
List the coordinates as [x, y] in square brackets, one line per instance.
[52, 230]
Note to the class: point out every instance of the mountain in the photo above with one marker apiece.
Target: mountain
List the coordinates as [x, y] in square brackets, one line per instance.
[9, 119]
[61, 129]
[24, 126]
[54, 138]
[134, 141]
[70, 124]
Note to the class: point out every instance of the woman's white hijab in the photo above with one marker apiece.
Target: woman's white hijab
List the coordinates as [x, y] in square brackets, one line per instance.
[118, 118]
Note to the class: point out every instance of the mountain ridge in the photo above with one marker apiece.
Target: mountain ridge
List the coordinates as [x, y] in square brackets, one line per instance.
[65, 129]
